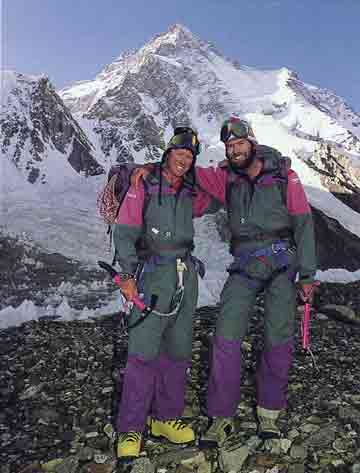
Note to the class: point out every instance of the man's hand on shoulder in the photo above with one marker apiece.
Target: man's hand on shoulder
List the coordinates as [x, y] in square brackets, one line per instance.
[140, 173]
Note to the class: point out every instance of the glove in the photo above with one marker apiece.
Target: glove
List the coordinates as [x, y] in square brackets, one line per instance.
[128, 289]
[306, 290]
[140, 173]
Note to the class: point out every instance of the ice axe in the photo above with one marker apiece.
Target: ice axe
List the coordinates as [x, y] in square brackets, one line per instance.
[305, 323]
[139, 303]
[145, 309]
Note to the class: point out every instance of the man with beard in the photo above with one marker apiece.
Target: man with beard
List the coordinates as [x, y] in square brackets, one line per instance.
[272, 240]
[154, 230]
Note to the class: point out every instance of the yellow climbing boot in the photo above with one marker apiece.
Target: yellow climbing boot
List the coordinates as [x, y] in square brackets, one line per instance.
[128, 445]
[174, 430]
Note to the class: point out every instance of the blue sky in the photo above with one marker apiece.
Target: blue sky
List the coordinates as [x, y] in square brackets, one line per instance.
[72, 40]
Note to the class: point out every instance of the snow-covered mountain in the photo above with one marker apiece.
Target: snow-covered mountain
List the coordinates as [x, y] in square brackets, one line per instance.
[37, 129]
[127, 113]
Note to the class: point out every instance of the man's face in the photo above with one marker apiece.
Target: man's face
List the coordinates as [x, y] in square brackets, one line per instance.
[179, 162]
[239, 151]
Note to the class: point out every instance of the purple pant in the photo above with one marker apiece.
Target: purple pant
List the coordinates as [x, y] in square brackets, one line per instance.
[151, 387]
[224, 383]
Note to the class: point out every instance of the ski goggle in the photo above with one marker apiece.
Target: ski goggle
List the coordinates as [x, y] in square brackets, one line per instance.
[179, 130]
[235, 128]
[186, 138]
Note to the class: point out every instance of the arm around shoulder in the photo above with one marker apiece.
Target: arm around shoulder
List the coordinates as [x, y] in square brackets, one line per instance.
[213, 181]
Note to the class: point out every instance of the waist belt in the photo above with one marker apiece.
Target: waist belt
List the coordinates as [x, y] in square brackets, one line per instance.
[281, 234]
[271, 250]
[146, 250]
[277, 249]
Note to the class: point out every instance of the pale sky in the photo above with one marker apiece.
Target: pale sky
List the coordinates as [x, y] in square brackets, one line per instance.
[74, 40]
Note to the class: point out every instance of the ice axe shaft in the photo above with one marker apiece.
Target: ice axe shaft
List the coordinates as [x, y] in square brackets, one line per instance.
[306, 327]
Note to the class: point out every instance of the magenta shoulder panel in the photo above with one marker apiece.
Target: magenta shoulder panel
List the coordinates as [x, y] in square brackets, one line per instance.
[213, 181]
[297, 202]
[131, 210]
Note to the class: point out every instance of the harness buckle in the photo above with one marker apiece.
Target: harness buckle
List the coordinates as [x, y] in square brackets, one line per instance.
[278, 247]
[275, 248]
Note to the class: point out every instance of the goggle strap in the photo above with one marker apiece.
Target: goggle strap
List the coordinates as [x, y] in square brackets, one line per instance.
[236, 128]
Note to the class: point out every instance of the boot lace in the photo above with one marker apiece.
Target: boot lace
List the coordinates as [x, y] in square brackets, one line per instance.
[130, 436]
[178, 424]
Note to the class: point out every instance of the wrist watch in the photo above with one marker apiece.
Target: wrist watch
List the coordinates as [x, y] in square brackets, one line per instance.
[126, 276]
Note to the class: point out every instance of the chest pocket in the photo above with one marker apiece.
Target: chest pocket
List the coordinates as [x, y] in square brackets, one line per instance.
[170, 221]
[257, 206]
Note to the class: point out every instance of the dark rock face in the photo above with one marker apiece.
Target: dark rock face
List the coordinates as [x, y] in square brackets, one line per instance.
[352, 199]
[35, 122]
[336, 247]
[82, 161]
[27, 272]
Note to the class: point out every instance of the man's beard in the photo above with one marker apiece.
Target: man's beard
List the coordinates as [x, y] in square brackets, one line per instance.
[244, 163]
